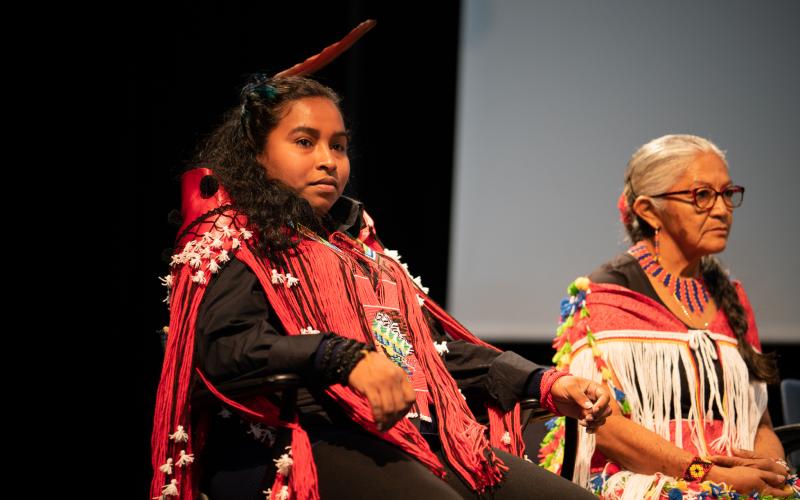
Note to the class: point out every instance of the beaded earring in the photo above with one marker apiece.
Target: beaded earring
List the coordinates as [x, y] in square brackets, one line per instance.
[657, 246]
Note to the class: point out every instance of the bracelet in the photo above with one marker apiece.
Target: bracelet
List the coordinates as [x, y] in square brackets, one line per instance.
[697, 469]
[549, 378]
[340, 357]
[348, 358]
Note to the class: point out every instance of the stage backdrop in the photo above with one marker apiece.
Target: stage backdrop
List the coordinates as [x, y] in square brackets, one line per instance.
[554, 97]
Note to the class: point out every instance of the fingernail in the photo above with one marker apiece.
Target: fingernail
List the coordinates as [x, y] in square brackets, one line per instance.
[587, 404]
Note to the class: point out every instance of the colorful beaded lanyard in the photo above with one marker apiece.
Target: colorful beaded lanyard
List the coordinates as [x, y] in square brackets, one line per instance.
[689, 292]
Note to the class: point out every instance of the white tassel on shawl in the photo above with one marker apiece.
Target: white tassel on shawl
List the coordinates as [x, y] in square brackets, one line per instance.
[284, 463]
[644, 371]
[185, 459]
[634, 486]
[167, 467]
[706, 353]
[655, 367]
[283, 494]
[582, 365]
[180, 435]
[758, 391]
[744, 404]
[169, 490]
[649, 375]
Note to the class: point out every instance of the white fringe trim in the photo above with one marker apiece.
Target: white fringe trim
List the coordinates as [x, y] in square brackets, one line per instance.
[167, 467]
[179, 435]
[169, 490]
[441, 347]
[185, 459]
[643, 367]
[634, 486]
[284, 463]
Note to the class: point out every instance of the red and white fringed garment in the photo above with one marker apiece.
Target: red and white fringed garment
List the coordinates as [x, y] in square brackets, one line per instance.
[619, 336]
[339, 285]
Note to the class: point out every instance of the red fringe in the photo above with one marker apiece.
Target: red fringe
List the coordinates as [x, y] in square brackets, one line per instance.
[504, 421]
[326, 278]
[172, 407]
[463, 438]
[318, 299]
[498, 426]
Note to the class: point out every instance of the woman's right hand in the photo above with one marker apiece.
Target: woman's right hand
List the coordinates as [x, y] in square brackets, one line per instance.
[746, 480]
[385, 386]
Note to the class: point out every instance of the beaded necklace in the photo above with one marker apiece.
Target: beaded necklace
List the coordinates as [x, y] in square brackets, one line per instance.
[689, 292]
[308, 233]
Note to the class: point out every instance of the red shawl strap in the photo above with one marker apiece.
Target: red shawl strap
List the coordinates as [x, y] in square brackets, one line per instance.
[613, 307]
[453, 327]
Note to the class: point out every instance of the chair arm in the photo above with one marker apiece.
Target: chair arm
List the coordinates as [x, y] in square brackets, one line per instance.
[284, 383]
[789, 436]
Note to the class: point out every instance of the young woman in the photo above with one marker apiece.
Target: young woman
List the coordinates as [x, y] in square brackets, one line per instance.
[277, 272]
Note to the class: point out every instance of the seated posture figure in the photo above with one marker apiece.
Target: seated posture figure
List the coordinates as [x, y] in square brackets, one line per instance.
[277, 272]
[665, 329]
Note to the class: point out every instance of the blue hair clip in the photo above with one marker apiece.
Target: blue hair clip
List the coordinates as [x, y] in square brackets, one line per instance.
[259, 86]
[266, 91]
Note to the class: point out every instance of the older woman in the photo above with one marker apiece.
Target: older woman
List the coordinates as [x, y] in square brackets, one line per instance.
[664, 327]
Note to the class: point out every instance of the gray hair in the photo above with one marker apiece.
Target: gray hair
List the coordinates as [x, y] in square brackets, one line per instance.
[657, 166]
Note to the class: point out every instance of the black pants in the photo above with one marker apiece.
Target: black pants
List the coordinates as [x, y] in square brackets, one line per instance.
[356, 465]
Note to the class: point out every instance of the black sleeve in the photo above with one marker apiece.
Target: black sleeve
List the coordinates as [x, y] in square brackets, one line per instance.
[608, 273]
[483, 373]
[239, 336]
[624, 270]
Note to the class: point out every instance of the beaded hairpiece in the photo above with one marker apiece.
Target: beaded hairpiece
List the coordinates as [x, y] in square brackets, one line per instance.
[259, 87]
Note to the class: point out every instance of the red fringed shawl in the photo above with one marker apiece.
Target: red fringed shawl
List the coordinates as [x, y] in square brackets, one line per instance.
[330, 286]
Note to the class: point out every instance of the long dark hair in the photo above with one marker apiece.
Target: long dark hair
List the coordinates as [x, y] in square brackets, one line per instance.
[231, 152]
[655, 167]
[761, 366]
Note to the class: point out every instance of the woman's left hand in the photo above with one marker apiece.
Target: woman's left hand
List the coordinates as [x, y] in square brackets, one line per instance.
[582, 399]
[747, 458]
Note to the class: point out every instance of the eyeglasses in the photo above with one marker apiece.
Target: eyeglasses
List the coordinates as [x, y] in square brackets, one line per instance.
[705, 197]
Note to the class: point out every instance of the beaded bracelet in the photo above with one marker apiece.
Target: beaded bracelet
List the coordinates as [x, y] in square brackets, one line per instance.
[340, 357]
[697, 469]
